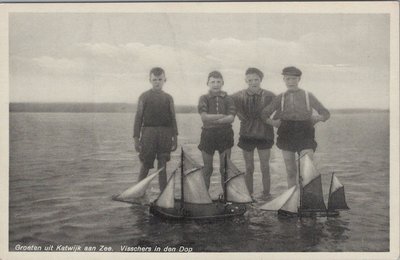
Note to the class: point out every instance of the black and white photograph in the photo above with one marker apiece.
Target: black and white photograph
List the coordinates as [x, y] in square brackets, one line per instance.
[144, 128]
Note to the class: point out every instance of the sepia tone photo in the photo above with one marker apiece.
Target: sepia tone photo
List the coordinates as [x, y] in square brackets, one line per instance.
[159, 129]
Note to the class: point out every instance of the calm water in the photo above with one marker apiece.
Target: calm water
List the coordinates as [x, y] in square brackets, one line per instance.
[65, 167]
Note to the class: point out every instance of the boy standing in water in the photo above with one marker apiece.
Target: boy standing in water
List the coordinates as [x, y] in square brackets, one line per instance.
[295, 121]
[155, 130]
[217, 111]
[254, 133]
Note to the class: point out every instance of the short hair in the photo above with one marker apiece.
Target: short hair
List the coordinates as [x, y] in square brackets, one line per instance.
[215, 74]
[255, 71]
[156, 71]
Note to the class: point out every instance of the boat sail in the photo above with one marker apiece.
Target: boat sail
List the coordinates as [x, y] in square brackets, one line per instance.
[312, 196]
[195, 201]
[166, 198]
[236, 189]
[194, 186]
[138, 190]
[336, 199]
[306, 198]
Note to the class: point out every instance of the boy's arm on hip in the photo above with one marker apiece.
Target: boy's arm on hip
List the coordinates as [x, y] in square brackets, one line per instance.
[271, 108]
[322, 111]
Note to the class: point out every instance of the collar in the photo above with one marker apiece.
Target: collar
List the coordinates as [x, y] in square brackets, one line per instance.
[293, 90]
[251, 93]
[218, 94]
[156, 91]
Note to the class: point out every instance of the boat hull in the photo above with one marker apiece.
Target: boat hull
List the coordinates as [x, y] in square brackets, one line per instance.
[330, 213]
[192, 211]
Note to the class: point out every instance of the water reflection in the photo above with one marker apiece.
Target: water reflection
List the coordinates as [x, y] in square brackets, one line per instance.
[310, 231]
[256, 231]
[337, 229]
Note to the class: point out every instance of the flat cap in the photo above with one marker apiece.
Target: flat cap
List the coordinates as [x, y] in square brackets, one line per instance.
[291, 71]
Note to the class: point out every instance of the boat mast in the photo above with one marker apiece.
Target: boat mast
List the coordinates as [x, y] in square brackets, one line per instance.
[330, 190]
[182, 192]
[225, 176]
[300, 182]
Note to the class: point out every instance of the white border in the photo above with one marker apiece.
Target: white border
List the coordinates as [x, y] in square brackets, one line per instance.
[391, 8]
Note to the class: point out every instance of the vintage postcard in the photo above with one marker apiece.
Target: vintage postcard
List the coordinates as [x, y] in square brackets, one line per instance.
[184, 130]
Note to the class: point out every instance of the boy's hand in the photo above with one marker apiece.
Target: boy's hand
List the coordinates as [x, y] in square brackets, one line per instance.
[316, 118]
[174, 143]
[219, 121]
[276, 123]
[138, 147]
[227, 119]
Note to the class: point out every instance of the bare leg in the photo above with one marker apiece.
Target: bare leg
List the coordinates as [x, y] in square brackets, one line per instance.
[291, 168]
[249, 162]
[143, 172]
[309, 152]
[264, 165]
[222, 164]
[162, 176]
[208, 167]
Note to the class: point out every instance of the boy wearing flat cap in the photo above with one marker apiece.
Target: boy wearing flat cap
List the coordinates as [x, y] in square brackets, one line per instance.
[295, 121]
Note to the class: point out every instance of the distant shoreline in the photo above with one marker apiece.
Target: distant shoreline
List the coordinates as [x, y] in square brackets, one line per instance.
[130, 108]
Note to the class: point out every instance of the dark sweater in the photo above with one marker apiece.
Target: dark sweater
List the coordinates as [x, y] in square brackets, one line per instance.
[155, 108]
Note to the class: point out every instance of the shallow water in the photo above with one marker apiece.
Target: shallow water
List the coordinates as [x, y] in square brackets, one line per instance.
[65, 167]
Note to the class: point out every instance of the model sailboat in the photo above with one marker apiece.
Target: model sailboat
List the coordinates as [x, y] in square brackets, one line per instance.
[194, 201]
[306, 198]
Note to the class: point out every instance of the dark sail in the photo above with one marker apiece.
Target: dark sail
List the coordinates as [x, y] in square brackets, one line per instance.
[337, 199]
[312, 198]
[311, 193]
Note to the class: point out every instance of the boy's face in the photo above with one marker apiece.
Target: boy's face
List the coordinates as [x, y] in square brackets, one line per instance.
[157, 81]
[253, 80]
[291, 81]
[215, 84]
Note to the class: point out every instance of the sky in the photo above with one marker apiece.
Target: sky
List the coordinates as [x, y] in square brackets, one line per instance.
[106, 57]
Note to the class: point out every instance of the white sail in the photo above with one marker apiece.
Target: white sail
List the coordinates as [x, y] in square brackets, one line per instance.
[194, 188]
[236, 189]
[292, 204]
[335, 184]
[166, 198]
[308, 171]
[139, 189]
[189, 163]
[278, 202]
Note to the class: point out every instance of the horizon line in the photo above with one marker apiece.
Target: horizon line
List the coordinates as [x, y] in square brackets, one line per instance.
[120, 107]
[133, 103]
